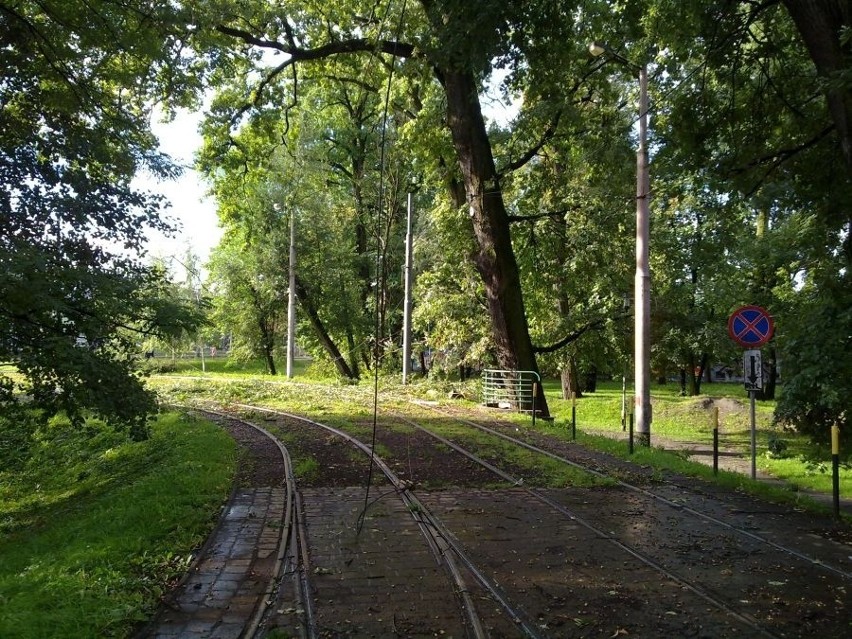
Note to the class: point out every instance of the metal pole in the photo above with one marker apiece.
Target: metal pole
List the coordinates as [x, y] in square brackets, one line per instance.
[573, 415]
[642, 282]
[752, 416]
[291, 299]
[406, 320]
[715, 440]
[198, 341]
[534, 394]
[630, 436]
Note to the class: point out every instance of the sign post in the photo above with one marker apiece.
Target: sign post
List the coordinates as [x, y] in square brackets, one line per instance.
[753, 370]
[753, 375]
[751, 327]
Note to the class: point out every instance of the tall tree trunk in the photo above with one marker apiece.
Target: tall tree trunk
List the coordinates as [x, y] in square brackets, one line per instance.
[693, 385]
[570, 378]
[764, 280]
[268, 346]
[592, 379]
[768, 391]
[699, 374]
[820, 23]
[354, 366]
[321, 332]
[495, 257]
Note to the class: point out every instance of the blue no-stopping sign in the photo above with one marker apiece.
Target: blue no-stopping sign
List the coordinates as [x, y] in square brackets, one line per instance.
[750, 326]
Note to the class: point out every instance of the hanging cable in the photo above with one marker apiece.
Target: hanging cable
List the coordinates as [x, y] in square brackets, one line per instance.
[378, 265]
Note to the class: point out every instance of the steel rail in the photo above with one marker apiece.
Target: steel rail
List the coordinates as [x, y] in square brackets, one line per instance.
[291, 546]
[638, 489]
[579, 519]
[447, 544]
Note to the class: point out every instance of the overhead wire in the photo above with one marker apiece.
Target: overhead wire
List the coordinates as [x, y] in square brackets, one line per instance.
[378, 262]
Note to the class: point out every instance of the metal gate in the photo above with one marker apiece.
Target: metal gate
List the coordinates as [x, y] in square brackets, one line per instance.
[511, 389]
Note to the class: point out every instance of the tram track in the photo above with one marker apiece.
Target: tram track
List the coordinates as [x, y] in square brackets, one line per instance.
[446, 549]
[705, 557]
[680, 507]
[599, 534]
[292, 556]
[836, 576]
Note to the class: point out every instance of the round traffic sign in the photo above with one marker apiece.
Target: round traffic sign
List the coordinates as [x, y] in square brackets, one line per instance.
[750, 326]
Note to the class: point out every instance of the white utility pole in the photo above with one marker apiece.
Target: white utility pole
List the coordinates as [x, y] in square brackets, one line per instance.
[642, 280]
[406, 322]
[291, 299]
[642, 344]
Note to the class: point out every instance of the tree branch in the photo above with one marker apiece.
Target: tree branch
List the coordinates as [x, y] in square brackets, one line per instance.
[355, 45]
[539, 216]
[575, 335]
[777, 158]
[546, 136]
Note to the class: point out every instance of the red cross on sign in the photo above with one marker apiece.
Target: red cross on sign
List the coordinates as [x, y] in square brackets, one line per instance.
[750, 326]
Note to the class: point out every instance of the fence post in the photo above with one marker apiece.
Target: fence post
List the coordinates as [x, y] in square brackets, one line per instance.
[534, 396]
[835, 468]
[630, 435]
[715, 440]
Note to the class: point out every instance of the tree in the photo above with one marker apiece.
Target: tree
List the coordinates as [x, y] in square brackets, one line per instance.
[766, 111]
[76, 84]
[698, 250]
[459, 43]
[826, 30]
[250, 302]
[321, 167]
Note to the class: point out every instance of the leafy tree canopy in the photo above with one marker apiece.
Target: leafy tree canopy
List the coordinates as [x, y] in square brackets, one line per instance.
[77, 80]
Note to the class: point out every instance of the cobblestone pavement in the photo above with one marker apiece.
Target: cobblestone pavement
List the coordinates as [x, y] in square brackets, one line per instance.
[220, 595]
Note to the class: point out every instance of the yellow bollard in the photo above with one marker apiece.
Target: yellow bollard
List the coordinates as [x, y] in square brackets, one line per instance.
[835, 468]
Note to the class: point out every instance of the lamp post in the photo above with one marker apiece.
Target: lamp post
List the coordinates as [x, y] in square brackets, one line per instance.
[291, 293]
[291, 298]
[406, 317]
[642, 281]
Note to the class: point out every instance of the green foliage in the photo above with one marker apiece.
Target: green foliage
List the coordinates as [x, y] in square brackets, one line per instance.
[76, 84]
[17, 427]
[818, 374]
[323, 166]
[450, 311]
[94, 528]
[250, 302]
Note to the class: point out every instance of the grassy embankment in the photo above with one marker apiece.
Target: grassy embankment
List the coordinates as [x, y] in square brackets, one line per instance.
[93, 527]
[796, 460]
[802, 464]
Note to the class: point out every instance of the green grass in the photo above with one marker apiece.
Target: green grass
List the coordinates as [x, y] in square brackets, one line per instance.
[94, 527]
[223, 366]
[306, 469]
[804, 465]
[673, 416]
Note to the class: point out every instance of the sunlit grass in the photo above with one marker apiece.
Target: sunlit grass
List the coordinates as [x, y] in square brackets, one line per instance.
[94, 527]
[225, 366]
[675, 418]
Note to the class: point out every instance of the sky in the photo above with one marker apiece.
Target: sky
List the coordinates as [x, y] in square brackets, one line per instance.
[190, 208]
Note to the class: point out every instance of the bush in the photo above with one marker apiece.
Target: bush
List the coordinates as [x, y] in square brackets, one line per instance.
[817, 368]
